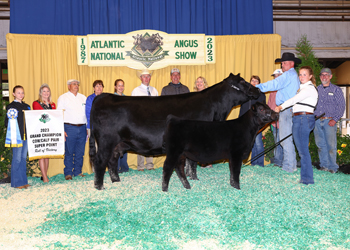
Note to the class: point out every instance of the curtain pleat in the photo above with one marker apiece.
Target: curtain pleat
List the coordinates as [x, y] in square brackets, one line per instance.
[82, 17]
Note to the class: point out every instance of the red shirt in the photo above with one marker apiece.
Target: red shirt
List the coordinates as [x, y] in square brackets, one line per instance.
[36, 105]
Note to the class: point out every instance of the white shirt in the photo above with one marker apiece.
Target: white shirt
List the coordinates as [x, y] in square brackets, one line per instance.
[74, 107]
[307, 95]
[142, 91]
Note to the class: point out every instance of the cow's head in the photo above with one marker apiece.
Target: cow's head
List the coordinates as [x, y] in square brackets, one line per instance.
[237, 83]
[264, 114]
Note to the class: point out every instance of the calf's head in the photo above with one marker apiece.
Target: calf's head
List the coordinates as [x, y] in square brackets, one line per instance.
[263, 113]
[243, 88]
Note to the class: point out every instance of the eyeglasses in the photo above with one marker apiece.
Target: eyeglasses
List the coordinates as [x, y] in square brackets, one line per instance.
[324, 75]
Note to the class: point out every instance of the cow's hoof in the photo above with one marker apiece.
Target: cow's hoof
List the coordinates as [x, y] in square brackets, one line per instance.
[235, 185]
[165, 189]
[99, 187]
[187, 186]
[194, 178]
[116, 180]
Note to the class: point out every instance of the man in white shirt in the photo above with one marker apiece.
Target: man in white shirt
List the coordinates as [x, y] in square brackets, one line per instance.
[144, 90]
[73, 104]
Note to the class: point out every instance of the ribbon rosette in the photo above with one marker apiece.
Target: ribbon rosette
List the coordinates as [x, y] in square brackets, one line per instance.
[13, 136]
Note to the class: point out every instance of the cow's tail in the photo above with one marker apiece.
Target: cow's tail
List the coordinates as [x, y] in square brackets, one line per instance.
[92, 148]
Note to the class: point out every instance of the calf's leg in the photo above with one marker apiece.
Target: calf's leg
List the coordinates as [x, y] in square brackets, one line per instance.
[192, 171]
[180, 171]
[168, 168]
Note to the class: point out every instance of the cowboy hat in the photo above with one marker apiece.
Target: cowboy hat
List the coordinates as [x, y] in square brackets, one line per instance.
[143, 72]
[277, 71]
[287, 56]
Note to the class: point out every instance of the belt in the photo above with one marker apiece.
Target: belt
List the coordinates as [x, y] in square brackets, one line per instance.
[324, 118]
[302, 113]
[77, 125]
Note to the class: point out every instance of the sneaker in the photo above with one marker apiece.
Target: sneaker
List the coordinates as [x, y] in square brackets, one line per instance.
[276, 165]
[323, 169]
[290, 171]
[328, 170]
[81, 175]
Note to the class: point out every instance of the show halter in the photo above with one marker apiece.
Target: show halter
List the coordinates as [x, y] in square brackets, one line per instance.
[275, 145]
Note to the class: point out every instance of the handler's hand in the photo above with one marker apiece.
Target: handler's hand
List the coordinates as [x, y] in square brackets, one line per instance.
[65, 135]
[332, 123]
[278, 109]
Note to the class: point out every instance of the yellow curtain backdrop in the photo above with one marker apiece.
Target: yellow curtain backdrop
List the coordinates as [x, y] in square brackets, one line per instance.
[37, 59]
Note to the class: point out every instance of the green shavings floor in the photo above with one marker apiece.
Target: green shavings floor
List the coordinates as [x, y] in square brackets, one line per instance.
[271, 211]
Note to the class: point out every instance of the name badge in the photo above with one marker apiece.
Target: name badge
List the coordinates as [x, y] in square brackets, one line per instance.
[330, 94]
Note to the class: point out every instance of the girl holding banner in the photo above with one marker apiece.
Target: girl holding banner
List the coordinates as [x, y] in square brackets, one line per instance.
[44, 102]
[15, 138]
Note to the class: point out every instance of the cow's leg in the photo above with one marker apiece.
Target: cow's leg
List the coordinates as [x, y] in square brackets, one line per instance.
[180, 171]
[168, 169]
[102, 157]
[113, 167]
[235, 171]
[192, 170]
[188, 170]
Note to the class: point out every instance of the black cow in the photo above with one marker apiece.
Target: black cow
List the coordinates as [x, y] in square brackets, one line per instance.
[203, 141]
[137, 124]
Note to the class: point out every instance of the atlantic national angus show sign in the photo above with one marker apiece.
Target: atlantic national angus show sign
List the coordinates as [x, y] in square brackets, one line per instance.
[150, 49]
[45, 133]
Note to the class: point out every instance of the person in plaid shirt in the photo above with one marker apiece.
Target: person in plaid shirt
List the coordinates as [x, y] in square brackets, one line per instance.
[331, 102]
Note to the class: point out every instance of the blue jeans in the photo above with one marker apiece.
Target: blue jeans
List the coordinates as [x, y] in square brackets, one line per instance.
[258, 148]
[302, 126]
[326, 141]
[289, 163]
[278, 151]
[123, 164]
[19, 166]
[74, 149]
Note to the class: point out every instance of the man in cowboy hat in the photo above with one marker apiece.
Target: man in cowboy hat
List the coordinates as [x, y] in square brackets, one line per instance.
[144, 90]
[287, 86]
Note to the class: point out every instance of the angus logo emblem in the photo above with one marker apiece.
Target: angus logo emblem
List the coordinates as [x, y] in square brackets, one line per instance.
[147, 49]
[44, 118]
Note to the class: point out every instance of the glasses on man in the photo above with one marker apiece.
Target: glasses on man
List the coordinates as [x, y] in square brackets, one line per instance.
[325, 75]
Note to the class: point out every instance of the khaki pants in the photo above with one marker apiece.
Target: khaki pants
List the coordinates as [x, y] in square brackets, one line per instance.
[141, 162]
